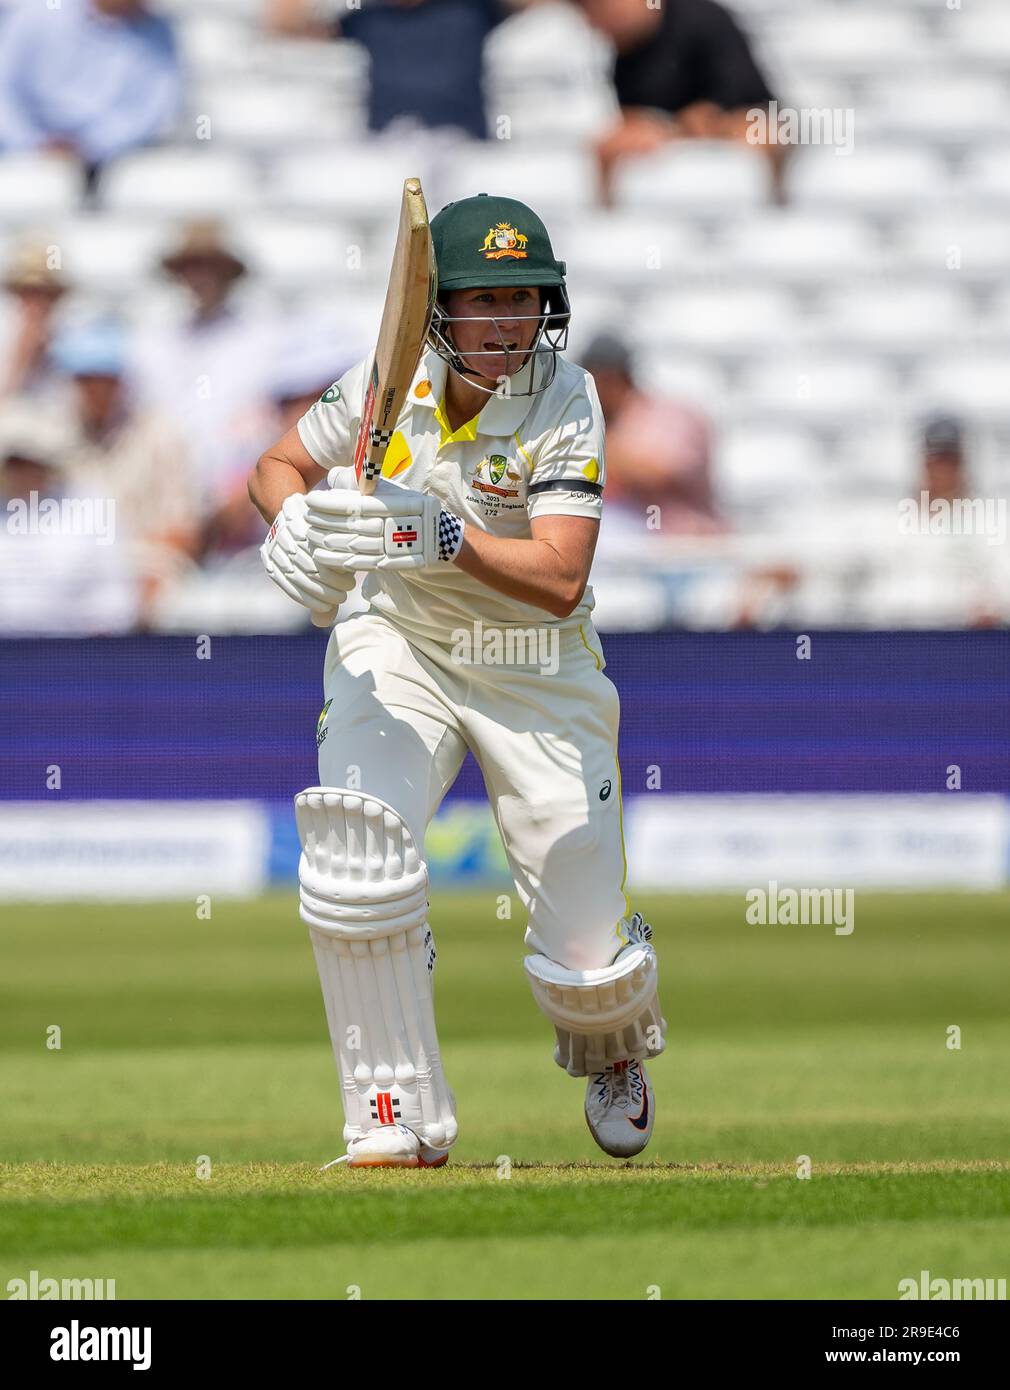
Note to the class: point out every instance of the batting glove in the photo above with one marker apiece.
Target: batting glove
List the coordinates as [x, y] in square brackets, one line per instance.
[287, 559]
[394, 528]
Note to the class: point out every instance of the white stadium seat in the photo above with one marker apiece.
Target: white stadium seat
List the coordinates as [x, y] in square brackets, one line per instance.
[985, 178]
[856, 37]
[181, 182]
[620, 248]
[833, 389]
[217, 44]
[110, 253]
[685, 379]
[725, 321]
[994, 327]
[978, 34]
[889, 179]
[967, 244]
[250, 112]
[594, 310]
[976, 384]
[37, 185]
[527, 49]
[885, 317]
[293, 251]
[710, 177]
[555, 182]
[351, 179]
[955, 109]
[884, 459]
[356, 310]
[802, 246]
[761, 465]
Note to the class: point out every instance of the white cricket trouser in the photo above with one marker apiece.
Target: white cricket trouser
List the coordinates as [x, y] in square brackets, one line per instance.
[402, 717]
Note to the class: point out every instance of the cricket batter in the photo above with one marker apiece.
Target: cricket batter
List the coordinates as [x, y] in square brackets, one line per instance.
[479, 638]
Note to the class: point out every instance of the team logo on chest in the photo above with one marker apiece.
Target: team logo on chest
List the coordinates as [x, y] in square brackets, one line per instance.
[489, 473]
[496, 481]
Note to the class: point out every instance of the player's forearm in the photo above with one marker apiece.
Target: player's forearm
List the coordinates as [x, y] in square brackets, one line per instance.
[271, 482]
[530, 570]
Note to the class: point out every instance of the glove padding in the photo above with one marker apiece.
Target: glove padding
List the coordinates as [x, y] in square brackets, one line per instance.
[394, 528]
[287, 558]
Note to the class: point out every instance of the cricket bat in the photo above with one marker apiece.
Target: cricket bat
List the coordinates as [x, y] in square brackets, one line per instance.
[406, 316]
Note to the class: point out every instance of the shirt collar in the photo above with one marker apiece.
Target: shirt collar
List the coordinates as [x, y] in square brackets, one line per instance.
[501, 415]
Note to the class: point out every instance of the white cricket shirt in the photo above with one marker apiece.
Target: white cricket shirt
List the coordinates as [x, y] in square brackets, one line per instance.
[522, 456]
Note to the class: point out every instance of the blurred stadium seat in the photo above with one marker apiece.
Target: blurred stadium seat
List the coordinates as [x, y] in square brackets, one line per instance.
[884, 180]
[554, 180]
[37, 185]
[895, 319]
[764, 466]
[631, 250]
[183, 180]
[975, 383]
[856, 37]
[108, 254]
[986, 179]
[839, 389]
[802, 246]
[699, 177]
[249, 114]
[290, 252]
[733, 322]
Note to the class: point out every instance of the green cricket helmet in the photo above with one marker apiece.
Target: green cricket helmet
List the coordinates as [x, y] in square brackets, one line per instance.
[489, 243]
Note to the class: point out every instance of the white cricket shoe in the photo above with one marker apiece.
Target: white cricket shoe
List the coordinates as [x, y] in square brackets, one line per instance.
[620, 1108]
[390, 1146]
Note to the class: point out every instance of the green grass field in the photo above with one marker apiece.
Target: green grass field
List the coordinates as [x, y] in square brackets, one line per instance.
[183, 1038]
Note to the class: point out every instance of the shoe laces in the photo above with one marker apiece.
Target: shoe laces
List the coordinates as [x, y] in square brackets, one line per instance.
[615, 1080]
[639, 929]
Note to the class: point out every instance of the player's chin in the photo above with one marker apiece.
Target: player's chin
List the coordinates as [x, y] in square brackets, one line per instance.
[490, 370]
[498, 367]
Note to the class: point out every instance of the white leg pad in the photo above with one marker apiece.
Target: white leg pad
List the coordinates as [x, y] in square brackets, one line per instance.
[364, 896]
[601, 1016]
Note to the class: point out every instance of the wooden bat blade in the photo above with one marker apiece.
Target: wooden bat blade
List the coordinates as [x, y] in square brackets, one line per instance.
[406, 316]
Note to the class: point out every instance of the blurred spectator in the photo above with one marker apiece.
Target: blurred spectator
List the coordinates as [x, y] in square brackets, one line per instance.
[92, 77]
[36, 289]
[944, 468]
[59, 572]
[658, 454]
[935, 557]
[306, 365]
[209, 370]
[426, 55]
[684, 70]
[950, 564]
[132, 455]
[313, 362]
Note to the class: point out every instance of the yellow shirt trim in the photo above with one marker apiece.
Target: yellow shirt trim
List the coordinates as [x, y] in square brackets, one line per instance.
[582, 634]
[523, 451]
[466, 434]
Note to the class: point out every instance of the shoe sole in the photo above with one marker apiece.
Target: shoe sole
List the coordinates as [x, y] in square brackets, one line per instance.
[631, 1153]
[414, 1162]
